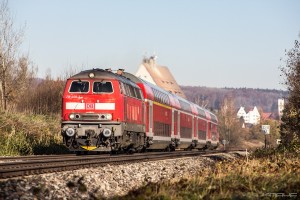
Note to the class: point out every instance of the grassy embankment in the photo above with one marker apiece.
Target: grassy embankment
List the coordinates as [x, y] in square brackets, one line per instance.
[261, 177]
[23, 134]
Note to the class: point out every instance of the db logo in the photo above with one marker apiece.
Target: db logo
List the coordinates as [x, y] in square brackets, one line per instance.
[90, 106]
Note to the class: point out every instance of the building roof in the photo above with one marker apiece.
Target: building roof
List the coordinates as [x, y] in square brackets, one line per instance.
[266, 116]
[159, 75]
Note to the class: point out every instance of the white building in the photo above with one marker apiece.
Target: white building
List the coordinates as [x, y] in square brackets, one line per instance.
[241, 113]
[280, 107]
[252, 117]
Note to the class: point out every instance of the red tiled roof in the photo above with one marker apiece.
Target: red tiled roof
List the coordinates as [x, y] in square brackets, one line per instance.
[266, 116]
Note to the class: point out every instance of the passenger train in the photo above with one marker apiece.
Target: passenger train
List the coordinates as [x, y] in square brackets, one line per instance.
[119, 112]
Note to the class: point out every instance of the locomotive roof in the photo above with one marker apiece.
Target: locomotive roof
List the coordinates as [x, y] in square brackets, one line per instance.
[102, 74]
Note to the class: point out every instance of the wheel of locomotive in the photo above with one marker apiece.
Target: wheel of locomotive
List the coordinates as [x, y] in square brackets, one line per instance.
[114, 152]
[170, 148]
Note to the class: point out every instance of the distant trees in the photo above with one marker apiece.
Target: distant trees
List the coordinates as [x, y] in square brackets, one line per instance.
[212, 98]
[290, 127]
[15, 70]
[45, 97]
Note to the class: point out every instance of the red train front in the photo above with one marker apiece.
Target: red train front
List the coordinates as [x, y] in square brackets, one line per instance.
[106, 111]
[93, 116]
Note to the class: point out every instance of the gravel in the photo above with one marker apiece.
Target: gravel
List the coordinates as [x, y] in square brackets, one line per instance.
[103, 182]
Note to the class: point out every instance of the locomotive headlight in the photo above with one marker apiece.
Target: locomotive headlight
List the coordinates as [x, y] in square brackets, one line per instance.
[107, 132]
[70, 132]
[72, 116]
[109, 116]
[91, 75]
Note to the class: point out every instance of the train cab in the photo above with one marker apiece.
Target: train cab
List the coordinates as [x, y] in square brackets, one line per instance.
[93, 116]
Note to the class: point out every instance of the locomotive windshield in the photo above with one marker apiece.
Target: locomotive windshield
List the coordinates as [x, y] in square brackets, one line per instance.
[79, 86]
[102, 87]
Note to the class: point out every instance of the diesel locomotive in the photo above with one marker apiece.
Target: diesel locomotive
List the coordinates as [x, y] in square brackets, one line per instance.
[119, 112]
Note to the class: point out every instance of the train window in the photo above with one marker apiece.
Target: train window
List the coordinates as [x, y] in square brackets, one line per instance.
[158, 96]
[161, 97]
[79, 87]
[122, 88]
[201, 112]
[166, 99]
[132, 91]
[213, 117]
[155, 95]
[102, 87]
[127, 90]
[185, 106]
[138, 93]
[201, 134]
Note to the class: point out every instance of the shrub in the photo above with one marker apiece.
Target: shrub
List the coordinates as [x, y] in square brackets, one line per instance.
[30, 134]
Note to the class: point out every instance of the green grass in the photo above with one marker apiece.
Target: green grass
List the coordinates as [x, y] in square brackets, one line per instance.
[239, 179]
[23, 134]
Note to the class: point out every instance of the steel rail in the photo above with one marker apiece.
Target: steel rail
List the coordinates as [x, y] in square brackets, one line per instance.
[54, 164]
[34, 157]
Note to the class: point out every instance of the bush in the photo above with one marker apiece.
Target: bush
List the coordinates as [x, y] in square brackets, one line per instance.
[30, 134]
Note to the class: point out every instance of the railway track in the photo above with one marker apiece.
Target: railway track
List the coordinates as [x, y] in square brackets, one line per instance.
[29, 165]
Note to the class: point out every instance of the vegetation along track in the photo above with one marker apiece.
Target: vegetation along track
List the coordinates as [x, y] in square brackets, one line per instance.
[29, 165]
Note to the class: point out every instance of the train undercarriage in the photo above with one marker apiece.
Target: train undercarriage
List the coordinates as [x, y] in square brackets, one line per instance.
[114, 138]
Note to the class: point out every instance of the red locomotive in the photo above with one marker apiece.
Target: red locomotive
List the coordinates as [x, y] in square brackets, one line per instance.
[106, 111]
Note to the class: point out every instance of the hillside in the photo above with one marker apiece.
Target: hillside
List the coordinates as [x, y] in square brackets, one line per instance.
[212, 98]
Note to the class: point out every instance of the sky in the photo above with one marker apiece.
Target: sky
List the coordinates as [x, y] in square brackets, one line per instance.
[213, 43]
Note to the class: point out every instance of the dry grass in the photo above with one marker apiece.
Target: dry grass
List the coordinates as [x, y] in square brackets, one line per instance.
[239, 179]
[23, 134]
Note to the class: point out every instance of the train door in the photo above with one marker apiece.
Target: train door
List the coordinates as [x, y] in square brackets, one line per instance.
[123, 92]
[144, 113]
[208, 137]
[178, 125]
[150, 118]
[195, 128]
[174, 123]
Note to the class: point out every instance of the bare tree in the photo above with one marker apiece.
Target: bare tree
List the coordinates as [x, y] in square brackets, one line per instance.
[229, 125]
[13, 70]
[201, 101]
